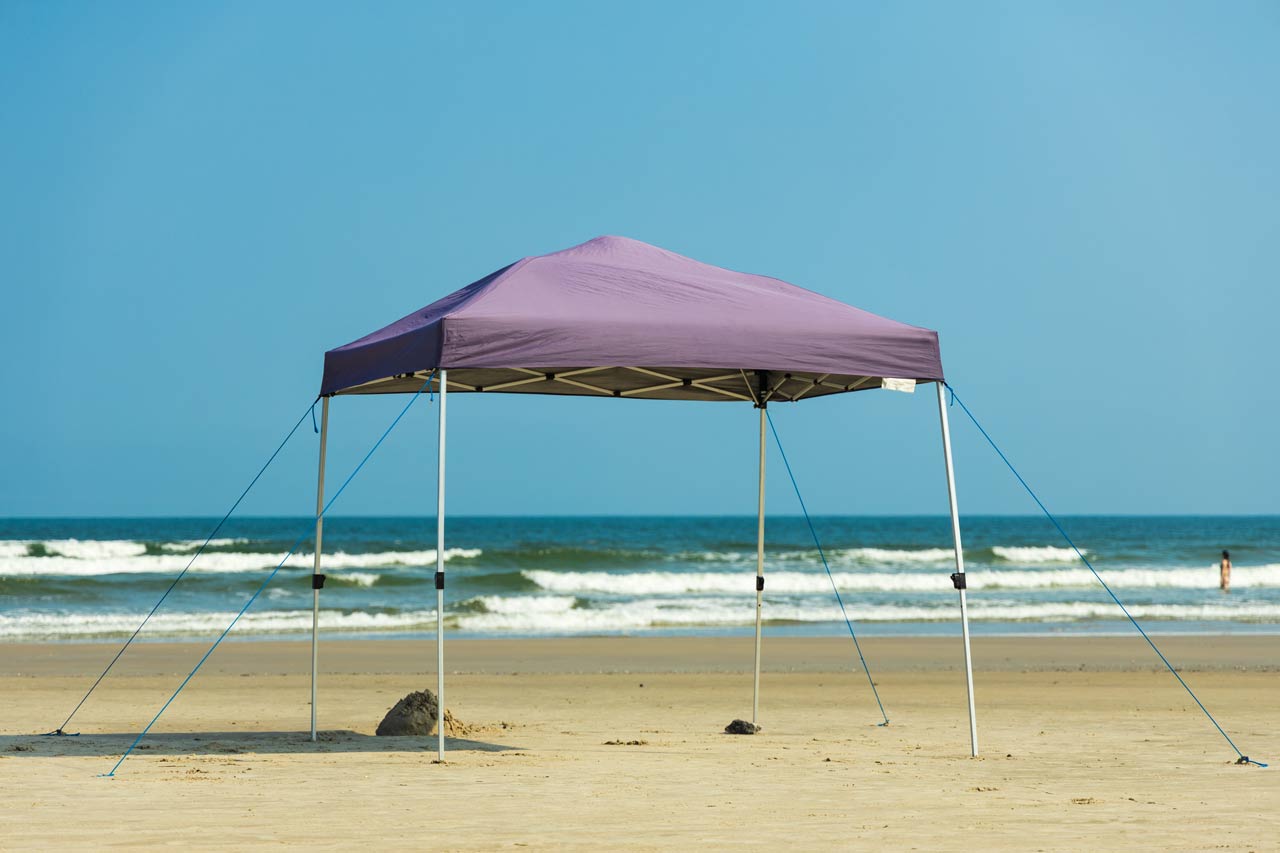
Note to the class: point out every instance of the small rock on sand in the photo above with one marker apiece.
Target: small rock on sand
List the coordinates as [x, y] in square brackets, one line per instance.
[741, 727]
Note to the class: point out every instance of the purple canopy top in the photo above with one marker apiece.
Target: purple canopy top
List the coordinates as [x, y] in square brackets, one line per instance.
[617, 317]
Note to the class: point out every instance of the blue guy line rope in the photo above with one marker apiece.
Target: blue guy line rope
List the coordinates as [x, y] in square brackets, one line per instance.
[181, 574]
[307, 532]
[1243, 759]
[848, 623]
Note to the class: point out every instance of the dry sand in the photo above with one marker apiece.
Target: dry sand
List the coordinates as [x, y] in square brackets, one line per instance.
[605, 744]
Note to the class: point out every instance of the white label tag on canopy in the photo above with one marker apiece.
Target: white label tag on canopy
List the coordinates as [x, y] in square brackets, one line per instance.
[907, 386]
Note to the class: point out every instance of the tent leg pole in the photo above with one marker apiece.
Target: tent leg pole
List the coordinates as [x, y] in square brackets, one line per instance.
[444, 390]
[315, 570]
[958, 578]
[755, 693]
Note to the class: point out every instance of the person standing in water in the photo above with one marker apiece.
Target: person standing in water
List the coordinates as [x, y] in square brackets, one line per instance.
[1224, 572]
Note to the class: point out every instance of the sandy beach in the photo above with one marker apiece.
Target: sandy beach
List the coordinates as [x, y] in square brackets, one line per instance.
[618, 744]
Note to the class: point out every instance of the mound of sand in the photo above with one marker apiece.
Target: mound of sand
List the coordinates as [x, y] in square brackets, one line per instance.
[415, 714]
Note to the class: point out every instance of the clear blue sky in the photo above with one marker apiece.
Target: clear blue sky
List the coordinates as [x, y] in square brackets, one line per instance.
[197, 200]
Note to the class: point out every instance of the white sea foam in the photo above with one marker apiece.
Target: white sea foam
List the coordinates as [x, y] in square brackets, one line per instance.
[797, 583]
[884, 557]
[561, 614]
[1038, 554]
[210, 562]
[103, 549]
[75, 549]
[713, 556]
[835, 556]
[365, 579]
[888, 555]
[193, 544]
[525, 603]
[72, 626]
[547, 617]
[1172, 578]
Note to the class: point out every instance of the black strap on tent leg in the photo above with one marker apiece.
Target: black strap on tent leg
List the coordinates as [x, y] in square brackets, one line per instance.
[1243, 759]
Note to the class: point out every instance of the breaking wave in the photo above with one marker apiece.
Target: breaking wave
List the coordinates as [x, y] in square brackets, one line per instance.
[679, 583]
[566, 615]
[116, 559]
[1024, 555]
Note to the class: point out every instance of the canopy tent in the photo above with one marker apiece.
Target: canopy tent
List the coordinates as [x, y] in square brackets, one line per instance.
[625, 314]
[615, 317]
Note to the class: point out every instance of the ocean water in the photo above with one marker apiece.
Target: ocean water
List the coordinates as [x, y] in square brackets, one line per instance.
[93, 579]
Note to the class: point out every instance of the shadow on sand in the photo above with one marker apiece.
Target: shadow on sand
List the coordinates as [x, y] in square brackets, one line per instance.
[228, 743]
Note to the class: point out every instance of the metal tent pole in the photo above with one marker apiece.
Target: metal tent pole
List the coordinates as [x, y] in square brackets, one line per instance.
[444, 387]
[958, 578]
[755, 695]
[317, 579]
